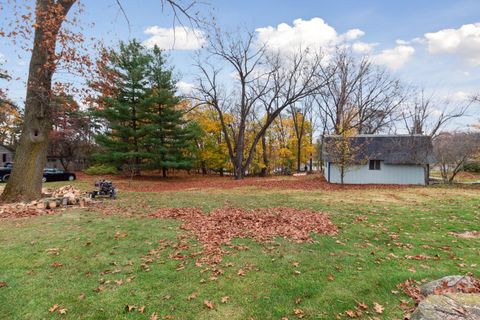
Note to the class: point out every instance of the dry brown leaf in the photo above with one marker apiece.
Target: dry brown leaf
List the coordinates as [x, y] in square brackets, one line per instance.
[209, 304]
[53, 308]
[192, 296]
[129, 308]
[225, 299]
[378, 308]
[298, 312]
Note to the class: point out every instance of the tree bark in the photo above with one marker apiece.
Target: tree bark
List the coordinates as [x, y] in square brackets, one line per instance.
[265, 170]
[25, 183]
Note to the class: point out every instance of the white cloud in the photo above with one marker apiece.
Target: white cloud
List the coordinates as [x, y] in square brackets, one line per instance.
[314, 33]
[185, 87]
[363, 47]
[464, 41]
[459, 96]
[394, 58]
[178, 38]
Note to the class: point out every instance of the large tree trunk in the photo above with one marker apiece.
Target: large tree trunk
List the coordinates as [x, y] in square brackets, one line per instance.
[238, 165]
[25, 183]
[266, 162]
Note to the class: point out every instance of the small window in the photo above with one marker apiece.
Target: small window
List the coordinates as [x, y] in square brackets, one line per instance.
[4, 157]
[374, 164]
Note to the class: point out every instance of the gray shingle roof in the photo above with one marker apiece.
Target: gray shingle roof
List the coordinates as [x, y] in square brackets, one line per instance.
[392, 149]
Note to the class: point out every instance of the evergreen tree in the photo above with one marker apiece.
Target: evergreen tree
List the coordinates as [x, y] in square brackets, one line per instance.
[170, 138]
[123, 107]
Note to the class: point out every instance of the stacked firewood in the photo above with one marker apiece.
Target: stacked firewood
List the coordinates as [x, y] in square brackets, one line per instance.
[63, 197]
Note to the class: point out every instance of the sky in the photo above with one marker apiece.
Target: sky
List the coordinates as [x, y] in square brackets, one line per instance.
[429, 44]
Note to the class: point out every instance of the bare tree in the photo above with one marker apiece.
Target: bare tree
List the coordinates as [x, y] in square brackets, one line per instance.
[360, 94]
[452, 150]
[426, 115]
[299, 115]
[265, 84]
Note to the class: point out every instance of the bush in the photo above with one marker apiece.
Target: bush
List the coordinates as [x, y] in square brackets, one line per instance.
[100, 169]
[473, 166]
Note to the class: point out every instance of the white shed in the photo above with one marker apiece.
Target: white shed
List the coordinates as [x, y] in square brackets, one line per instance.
[379, 159]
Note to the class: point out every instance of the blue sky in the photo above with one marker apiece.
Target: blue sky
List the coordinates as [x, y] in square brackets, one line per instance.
[392, 32]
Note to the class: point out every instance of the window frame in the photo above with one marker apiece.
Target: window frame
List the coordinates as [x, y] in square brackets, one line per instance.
[374, 165]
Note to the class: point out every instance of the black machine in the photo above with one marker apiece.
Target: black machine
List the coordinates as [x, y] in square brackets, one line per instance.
[105, 189]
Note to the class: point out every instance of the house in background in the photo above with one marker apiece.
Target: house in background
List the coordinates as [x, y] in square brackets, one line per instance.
[380, 159]
[6, 155]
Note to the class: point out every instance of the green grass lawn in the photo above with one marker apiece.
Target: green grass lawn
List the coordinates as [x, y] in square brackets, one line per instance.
[101, 257]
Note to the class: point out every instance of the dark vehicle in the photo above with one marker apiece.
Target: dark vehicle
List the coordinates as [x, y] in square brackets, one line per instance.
[57, 175]
[105, 188]
[48, 175]
[5, 173]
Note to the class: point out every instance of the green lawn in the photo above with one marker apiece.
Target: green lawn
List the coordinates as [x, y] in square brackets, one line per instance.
[363, 263]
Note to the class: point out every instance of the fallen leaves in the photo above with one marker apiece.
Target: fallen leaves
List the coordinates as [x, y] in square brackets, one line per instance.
[3, 284]
[225, 299]
[57, 309]
[378, 308]
[209, 304]
[220, 226]
[192, 296]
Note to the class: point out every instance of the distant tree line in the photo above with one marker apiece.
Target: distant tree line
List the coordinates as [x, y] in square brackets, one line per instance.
[271, 120]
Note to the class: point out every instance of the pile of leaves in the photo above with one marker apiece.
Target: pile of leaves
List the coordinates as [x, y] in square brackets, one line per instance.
[217, 228]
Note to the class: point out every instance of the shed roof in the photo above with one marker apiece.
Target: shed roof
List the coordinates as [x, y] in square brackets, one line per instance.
[5, 147]
[392, 149]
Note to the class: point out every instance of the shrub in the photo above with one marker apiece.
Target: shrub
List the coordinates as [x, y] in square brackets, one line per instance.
[473, 166]
[99, 169]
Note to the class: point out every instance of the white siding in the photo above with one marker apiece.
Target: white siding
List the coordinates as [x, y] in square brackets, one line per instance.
[388, 174]
[6, 155]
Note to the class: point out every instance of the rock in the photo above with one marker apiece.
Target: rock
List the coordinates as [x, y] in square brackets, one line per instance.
[453, 306]
[448, 284]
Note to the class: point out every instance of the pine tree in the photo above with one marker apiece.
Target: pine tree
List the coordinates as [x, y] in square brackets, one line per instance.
[123, 109]
[170, 137]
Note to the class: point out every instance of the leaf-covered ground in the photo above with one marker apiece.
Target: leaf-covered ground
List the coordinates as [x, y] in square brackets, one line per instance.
[113, 262]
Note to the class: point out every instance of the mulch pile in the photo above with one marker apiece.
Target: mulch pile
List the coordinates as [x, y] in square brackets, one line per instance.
[219, 227]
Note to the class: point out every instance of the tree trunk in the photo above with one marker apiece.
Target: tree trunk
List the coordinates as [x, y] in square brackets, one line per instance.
[342, 174]
[299, 150]
[164, 172]
[25, 183]
[266, 163]
[239, 154]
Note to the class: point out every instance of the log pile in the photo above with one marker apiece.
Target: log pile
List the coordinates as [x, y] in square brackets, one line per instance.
[51, 201]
